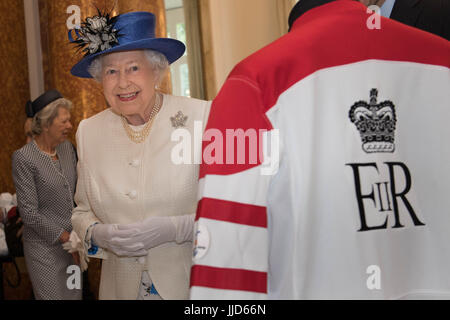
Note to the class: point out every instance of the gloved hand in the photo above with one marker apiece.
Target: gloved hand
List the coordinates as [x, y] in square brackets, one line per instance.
[155, 231]
[121, 242]
[75, 247]
[68, 247]
[72, 244]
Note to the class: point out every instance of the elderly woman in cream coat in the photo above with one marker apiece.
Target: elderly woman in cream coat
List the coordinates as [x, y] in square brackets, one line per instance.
[135, 205]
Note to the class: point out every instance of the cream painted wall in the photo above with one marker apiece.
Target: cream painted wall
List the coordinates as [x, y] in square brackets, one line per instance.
[34, 52]
[239, 28]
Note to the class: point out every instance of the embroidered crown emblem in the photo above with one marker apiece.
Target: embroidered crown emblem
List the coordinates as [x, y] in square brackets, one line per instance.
[375, 123]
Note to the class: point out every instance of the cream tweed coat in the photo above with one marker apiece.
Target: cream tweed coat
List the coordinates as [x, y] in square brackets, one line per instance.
[122, 182]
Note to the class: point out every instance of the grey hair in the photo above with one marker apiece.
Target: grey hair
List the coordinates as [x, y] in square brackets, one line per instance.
[157, 60]
[45, 117]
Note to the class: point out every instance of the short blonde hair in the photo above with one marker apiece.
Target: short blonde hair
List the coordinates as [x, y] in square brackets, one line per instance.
[45, 117]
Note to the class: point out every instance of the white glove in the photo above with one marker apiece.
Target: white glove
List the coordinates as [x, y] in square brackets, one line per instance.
[185, 227]
[73, 244]
[155, 231]
[121, 242]
[68, 247]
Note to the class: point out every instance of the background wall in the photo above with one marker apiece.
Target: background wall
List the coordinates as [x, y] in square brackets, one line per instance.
[13, 96]
[233, 29]
[240, 28]
[15, 90]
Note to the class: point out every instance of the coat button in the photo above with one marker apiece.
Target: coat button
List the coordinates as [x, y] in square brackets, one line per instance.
[135, 163]
[132, 194]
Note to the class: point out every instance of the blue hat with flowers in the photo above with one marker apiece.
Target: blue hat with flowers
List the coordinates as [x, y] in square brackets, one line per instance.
[103, 34]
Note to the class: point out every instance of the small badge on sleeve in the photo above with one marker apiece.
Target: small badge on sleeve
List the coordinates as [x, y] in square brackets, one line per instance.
[201, 241]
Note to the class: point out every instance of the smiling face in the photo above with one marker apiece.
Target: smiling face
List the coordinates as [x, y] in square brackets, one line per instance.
[128, 81]
[60, 127]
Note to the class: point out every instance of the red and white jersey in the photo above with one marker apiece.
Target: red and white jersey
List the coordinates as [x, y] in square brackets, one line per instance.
[349, 196]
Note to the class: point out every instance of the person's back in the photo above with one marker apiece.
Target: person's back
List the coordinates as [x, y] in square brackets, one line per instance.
[358, 207]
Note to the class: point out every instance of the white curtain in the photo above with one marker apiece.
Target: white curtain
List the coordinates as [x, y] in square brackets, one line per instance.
[194, 48]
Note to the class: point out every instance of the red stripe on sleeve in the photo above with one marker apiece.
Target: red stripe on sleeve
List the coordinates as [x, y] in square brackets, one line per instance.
[246, 214]
[229, 279]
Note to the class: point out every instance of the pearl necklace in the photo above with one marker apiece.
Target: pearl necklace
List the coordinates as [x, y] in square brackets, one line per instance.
[140, 136]
[47, 153]
[50, 154]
